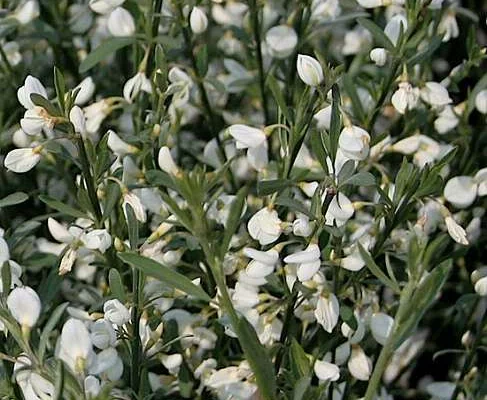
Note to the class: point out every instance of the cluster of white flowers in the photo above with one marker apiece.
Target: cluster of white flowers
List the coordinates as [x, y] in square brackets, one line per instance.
[217, 206]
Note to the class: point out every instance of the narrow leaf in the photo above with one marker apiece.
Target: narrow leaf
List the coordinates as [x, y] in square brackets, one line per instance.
[13, 199]
[375, 269]
[270, 186]
[360, 179]
[278, 96]
[378, 34]
[116, 285]
[164, 274]
[234, 219]
[103, 51]
[61, 207]
[258, 359]
[48, 328]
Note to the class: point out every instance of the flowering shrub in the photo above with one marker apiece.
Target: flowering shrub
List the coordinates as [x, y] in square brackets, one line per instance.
[242, 200]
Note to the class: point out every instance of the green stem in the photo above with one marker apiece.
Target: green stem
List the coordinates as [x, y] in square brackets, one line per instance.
[391, 342]
[89, 181]
[6, 62]
[254, 15]
[156, 19]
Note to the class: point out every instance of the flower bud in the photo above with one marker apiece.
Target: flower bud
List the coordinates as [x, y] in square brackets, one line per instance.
[166, 162]
[281, 41]
[326, 371]
[309, 70]
[481, 101]
[359, 364]
[121, 23]
[198, 20]
[25, 306]
[77, 118]
[86, 89]
[378, 56]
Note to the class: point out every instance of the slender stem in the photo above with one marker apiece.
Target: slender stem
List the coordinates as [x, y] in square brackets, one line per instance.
[89, 181]
[390, 344]
[156, 19]
[254, 15]
[6, 62]
[135, 367]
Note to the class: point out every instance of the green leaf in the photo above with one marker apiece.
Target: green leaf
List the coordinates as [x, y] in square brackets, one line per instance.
[336, 121]
[116, 285]
[59, 384]
[165, 274]
[422, 299]
[294, 205]
[378, 34]
[301, 387]
[61, 207]
[13, 199]
[258, 359]
[375, 269]
[48, 328]
[426, 53]
[360, 179]
[351, 89]
[346, 313]
[299, 362]
[133, 226]
[316, 142]
[234, 219]
[278, 96]
[160, 178]
[40, 101]
[270, 186]
[6, 277]
[202, 60]
[60, 86]
[106, 48]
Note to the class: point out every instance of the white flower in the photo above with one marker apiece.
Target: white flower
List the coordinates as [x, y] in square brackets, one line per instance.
[326, 371]
[405, 97]
[355, 41]
[134, 85]
[102, 334]
[359, 364]
[11, 50]
[263, 262]
[91, 386]
[26, 11]
[265, 226]
[353, 262]
[131, 199]
[121, 23]
[23, 160]
[371, 3]
[257, 157]
[105, 6]
[108, 363]
[379, 56]
[31, 85]
[77, 118]
[302, 226]
[308, 261]
[461, 191]
[446, 121]
[25, 306]
[339, 211]
[116, 312]
[118, 146]
[86, 89]
[180, 86]
[394, 26]
[95, 114]
[327, 311]
[172, 362]
[448, 26]
[36, 120]
[79, 18]
[247, 136]
[75, 347]
[198, 20]
[309, 70]
[435, 94]
[441, 390]
[381, 327]
[323, 118]
[354, 142]
[281, 40]
[481, 101]
[166, 162]
[33, 385]
[481, 286]
[456, 232]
